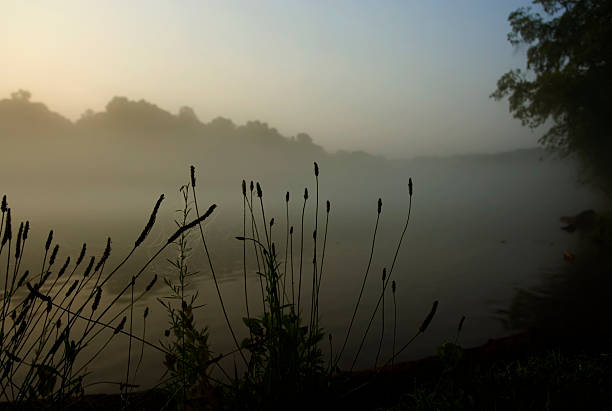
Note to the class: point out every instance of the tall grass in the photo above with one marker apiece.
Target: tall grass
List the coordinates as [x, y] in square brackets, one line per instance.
[50, 320]
[284, 353]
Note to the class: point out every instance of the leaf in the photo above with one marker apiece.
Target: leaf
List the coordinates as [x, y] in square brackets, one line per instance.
[254, 325]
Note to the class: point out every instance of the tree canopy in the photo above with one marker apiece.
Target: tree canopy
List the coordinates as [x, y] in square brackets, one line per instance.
[567, 84]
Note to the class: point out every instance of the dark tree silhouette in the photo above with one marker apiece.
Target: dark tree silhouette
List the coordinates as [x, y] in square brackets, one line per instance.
[567, 84]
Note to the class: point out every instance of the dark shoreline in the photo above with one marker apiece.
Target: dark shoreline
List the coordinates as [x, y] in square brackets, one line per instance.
[369, 389]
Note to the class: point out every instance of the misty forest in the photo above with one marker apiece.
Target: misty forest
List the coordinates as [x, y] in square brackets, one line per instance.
[169, 258]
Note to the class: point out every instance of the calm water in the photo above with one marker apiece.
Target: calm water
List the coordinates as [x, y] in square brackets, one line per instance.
[480, 228]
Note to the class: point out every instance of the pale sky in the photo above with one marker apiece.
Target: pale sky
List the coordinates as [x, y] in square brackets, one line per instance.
[397, 78]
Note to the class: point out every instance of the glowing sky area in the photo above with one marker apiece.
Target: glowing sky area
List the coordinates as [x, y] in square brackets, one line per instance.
[398, 78]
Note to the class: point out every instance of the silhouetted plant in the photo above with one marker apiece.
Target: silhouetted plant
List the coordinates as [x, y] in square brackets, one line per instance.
[48, 320]
[43, 335]
[188, 354]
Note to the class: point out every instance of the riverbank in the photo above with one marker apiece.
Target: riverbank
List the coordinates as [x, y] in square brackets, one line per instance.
[521, 371]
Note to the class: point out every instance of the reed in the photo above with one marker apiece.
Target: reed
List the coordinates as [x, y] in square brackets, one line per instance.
[45, 332]
[393, 288]
[285, 358]
[397, 249]
[363, 283]
[49, 320]
[188, 356]
[382, 320]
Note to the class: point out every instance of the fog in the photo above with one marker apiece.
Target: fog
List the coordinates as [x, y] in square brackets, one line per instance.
[481, 225]
[397, 79]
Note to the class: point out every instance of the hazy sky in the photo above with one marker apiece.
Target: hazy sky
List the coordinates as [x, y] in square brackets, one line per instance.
[399, 78]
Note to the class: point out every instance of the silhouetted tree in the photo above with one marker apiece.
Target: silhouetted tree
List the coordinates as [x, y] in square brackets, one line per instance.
[20, 117]
[187, 115]
[21, 95]
[567, 84]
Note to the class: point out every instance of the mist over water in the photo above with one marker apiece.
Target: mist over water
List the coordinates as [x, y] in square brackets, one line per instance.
[481, 225]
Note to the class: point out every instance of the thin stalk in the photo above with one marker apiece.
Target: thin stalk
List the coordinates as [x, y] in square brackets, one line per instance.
[212, 270]
[313, 296]
[363, 283]
[322, 258]
[301, 254]
[377, 374]
[292, 273]
[127, 372]
[246, 297]
[255, 234]
[399, 244]
[394, 322]
[382, 333]
[263, 216]
[286, 246]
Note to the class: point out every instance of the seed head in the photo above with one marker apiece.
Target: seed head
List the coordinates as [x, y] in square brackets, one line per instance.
[410, 187]
[63, 269]
[305, 193]
[105, 255]
[272, 222]
[287, 197]
[251, 186]
[3, 206]
[23, 278]
[53, 255]
[316, 169]
[147, 229]
[259, 193]
[291, 230]
[89, 267]
[18, 246]
[49, 239]
[379, 205]
[8, 235]
[152, 283]
[192, 169]
[146, 312]
[461, 324]
[57, 343]
[120, 326]
[26, 230]
[244, 188]
[195, 222]
[72, 287]
[393, 286]
[44, 279]
[328, 206]
[384, 274]
[97, 298]
[81, 255]
[429, 317]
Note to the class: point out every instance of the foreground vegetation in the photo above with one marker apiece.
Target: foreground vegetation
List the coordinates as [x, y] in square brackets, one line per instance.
[535, 379]
[57, 322]
[52, 320]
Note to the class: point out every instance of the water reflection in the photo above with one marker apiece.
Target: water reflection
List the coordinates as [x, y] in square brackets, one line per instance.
[570, 304]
